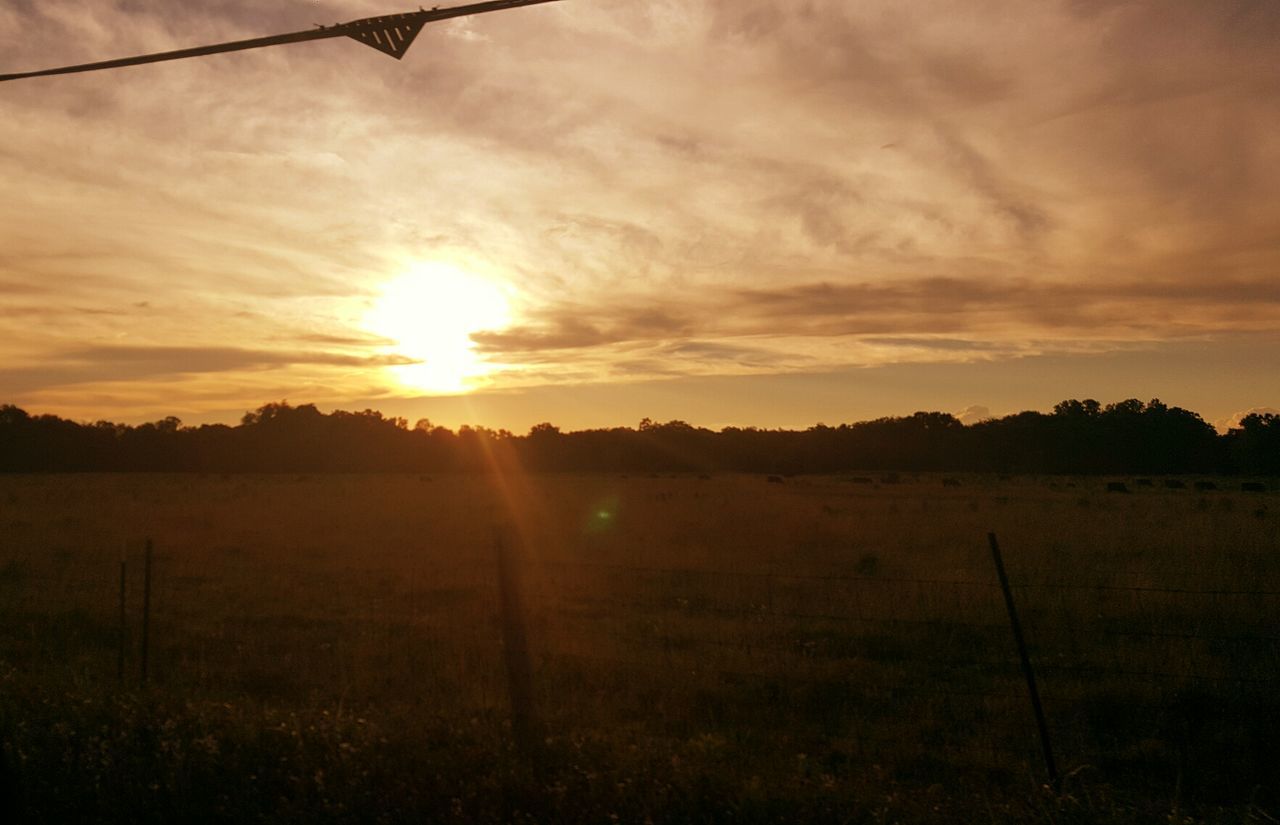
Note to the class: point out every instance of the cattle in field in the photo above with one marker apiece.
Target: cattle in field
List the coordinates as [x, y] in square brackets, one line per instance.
[1206, 485]
[1253, 487]
[1117, 487]
[950, 482]
[1174, 484]
[774, 479]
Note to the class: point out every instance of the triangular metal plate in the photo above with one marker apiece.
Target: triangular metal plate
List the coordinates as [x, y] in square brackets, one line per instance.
[390, 35]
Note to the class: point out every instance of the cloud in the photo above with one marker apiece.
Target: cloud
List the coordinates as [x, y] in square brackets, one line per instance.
[973, 414]
[673, 187]
[814, 325]
[92, 365]
[1233, 421]
[570, 326]
[343, 340]
[728, 352]
[946, 344]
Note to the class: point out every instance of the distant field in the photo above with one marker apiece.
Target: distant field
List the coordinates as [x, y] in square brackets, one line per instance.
[704, 648]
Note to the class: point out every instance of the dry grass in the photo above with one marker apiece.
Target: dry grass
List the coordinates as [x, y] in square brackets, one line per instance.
[328, 647]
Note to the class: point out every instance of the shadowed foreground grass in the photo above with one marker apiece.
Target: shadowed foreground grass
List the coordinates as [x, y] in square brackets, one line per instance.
[704, 650]
[142, 757]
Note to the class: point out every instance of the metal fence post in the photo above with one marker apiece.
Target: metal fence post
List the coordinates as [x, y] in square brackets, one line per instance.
[1036, 707]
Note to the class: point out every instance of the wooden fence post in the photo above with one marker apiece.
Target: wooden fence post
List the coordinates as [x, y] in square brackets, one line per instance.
[515, 643]
[1036, 707]
[146, 609]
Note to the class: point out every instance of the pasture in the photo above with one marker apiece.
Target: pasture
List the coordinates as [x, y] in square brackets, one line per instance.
[727, 648]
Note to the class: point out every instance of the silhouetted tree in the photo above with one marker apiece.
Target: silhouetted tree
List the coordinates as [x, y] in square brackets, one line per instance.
[1255, 444]
[1077, 437]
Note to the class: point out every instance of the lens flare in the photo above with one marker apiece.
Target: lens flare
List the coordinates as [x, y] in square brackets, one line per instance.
[602, 516]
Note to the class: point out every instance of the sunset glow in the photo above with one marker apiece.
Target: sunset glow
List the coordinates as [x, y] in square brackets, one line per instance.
[430, 313]
[749, 213]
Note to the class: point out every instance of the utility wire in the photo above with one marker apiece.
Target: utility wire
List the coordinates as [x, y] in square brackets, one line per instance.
[390, 34]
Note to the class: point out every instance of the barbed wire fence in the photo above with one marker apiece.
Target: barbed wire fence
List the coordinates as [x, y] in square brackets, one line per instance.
[856, 668]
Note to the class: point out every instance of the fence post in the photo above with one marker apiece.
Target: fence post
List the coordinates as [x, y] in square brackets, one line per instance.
[146, 609]
[124, 627]
[515, 644]
[1026, 663]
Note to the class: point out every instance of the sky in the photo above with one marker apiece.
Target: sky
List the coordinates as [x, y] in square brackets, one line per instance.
[729, 212]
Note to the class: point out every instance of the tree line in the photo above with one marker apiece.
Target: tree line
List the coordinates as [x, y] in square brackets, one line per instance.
[1077, 437]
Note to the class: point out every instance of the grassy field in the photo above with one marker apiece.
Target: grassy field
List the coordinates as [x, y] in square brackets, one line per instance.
[328, 648]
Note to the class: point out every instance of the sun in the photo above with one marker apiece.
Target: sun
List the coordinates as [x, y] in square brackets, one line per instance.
[430, 312]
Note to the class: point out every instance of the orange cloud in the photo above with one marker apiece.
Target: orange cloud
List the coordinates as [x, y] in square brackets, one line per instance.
[695, 188]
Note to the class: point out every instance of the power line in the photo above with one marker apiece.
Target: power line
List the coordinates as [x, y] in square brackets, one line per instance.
[390, 34]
